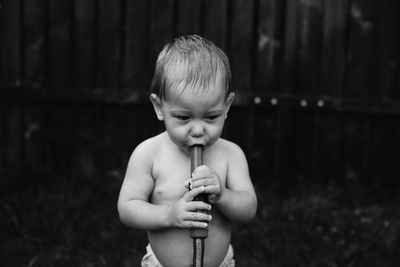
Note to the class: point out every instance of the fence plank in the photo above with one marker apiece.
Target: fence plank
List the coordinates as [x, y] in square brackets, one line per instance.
[241, 44]
[136, 70]
[109, 149]
[161, 28]
[283, 148]
[269, 45]
[309, 47]
[60, 44]
[10, 26]
[359, 70]
[303, 139]
[32, 130]
[34, 38]
[188, 17]
[353, 148]
[334, 47]
[382, 144]
[108, 32]
[60, 141]
[386, 44]
[138, 122]
[12, 136]
[84, 40]
[215, 22]
[85, 119]
[329, 153]
[2, 138]
[290, 46]
[262, 157]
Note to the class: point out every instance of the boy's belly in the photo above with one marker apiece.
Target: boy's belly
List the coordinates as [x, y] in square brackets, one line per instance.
[174, 247]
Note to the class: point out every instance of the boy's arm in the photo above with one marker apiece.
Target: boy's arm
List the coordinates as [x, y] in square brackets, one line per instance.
[133, 202]
[238, 201]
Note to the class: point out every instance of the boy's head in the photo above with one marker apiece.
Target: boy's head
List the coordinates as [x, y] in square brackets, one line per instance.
[191, 91]
[190, 63]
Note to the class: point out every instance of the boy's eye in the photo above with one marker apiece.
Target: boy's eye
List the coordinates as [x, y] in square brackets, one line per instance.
[212, 117]
[182, 118]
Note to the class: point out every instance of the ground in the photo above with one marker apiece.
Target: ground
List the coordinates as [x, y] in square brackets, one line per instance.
[73, 222]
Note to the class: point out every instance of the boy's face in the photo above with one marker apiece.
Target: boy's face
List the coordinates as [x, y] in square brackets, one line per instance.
[194, 117]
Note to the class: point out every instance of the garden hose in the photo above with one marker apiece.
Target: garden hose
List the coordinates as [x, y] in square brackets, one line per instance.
[198, 234]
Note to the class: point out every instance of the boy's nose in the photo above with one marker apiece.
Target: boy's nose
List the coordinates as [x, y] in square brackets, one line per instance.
[197, 130]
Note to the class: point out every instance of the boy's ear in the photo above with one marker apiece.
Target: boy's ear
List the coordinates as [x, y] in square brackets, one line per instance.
[228, 103]
[155, 100]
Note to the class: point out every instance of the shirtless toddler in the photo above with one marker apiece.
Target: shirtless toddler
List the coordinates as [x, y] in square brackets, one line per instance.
[191, 94]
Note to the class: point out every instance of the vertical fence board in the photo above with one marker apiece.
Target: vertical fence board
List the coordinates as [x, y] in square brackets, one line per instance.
[33, 30]
[238, 118]
[2, 137]
[290, 46]
[382, 144]
[60, 142]
[110, 150]
[59, 46]
[303, 125]
[328, 156]
[12, 136]
[32, 131]
[283, 148]
[262, 156]
[133, 119]
[136, 71]
[161, 28]
[334, 47]
[215, 22]
[353, 148]
[10, 24]
[85, 119]
[309, 47]
[359, 54]
[395, 151]
[188, 17]
[240, 52]
[108, 32]
[269, 44]
[85, 42]
[386, 44]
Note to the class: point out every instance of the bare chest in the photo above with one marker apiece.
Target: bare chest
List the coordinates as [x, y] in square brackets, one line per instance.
[170, 181]
[170, 175]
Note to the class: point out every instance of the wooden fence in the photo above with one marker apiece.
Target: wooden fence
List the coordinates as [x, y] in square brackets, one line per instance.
[317, 84]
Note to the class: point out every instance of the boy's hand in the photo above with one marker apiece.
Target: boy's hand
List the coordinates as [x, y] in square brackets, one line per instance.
[206, 177]
[182, 213]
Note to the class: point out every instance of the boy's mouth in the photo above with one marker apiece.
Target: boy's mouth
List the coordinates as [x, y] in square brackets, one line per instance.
[196, 142]
[192, 144]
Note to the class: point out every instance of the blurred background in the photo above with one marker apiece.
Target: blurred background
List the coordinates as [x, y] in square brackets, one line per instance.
[317, 114]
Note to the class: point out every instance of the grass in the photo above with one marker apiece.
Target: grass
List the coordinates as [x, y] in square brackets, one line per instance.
[74, 222]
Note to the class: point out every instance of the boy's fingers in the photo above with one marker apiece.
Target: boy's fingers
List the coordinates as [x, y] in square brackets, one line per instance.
[190, 195]
[187, 184]
[200, 171]
[194, 224]
[199, 216]
[199, 205]
[203, 182]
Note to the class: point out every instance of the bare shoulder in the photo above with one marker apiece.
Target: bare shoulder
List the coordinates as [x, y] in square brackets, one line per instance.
[150, 145]
[230, 149]
[146, 150]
